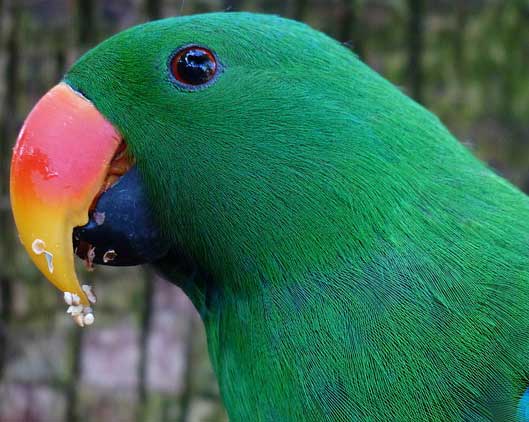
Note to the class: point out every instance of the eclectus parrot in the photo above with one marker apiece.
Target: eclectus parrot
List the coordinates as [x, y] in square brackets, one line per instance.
[350, 260]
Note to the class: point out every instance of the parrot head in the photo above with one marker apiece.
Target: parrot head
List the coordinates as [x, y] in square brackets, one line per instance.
[217, 137]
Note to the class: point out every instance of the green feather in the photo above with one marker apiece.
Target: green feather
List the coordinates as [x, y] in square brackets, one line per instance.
[350, 259]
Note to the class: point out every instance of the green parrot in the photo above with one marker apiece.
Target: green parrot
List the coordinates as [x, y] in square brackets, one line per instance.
[349, 258]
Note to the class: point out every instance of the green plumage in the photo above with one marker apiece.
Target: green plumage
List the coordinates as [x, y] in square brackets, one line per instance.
[350, 259]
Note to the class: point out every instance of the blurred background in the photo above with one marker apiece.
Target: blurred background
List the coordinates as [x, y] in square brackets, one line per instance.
[145, 359]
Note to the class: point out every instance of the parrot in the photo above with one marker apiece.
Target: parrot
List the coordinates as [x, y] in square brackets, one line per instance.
[350, 259]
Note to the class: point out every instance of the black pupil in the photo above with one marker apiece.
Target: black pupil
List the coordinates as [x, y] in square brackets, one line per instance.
[195, 67]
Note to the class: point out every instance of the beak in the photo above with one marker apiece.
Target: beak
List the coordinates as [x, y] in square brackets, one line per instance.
[122, 230]
[60, 163]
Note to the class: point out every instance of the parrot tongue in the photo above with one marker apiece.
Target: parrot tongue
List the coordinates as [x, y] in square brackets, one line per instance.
[66, 154]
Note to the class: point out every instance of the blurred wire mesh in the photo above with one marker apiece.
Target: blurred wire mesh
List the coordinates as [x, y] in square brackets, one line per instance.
[146, 357]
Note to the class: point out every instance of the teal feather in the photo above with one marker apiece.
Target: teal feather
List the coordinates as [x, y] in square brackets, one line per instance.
[523, 409]
[351, 260]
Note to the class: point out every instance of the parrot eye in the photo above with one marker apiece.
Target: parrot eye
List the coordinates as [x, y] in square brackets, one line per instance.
[193, 66]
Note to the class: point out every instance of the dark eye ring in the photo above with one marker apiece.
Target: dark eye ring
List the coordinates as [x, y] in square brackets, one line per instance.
[194, 67]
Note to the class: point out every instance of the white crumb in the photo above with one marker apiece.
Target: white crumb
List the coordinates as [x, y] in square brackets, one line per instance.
[81, 314]
[38, 246]
[109, 255]
[49, 261]
[88, 319]
[76, 300]
[89, 293]
[75, 310]
[78, 318]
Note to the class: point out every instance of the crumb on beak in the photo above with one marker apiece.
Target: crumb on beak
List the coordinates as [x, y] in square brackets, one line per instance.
[82, 315]
[39, 247]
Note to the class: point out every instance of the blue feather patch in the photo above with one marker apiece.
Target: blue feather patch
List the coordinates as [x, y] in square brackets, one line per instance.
[523, 407]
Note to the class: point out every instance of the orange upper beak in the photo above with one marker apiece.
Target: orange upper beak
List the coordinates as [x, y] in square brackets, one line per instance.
[60, 162]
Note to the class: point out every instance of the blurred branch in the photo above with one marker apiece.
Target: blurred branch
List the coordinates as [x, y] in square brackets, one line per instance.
[5, 313]
[524, 10]
[72, 387]
[185, 401]
[7, 128]
[60, 57]
[86, 22]
[300, 9]
[1, 18]
[415, 47]
[232, 5]
[5, 204]
[145, 329]
[153, 9]
[349, 26]
[11, 94]
[461, 14]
